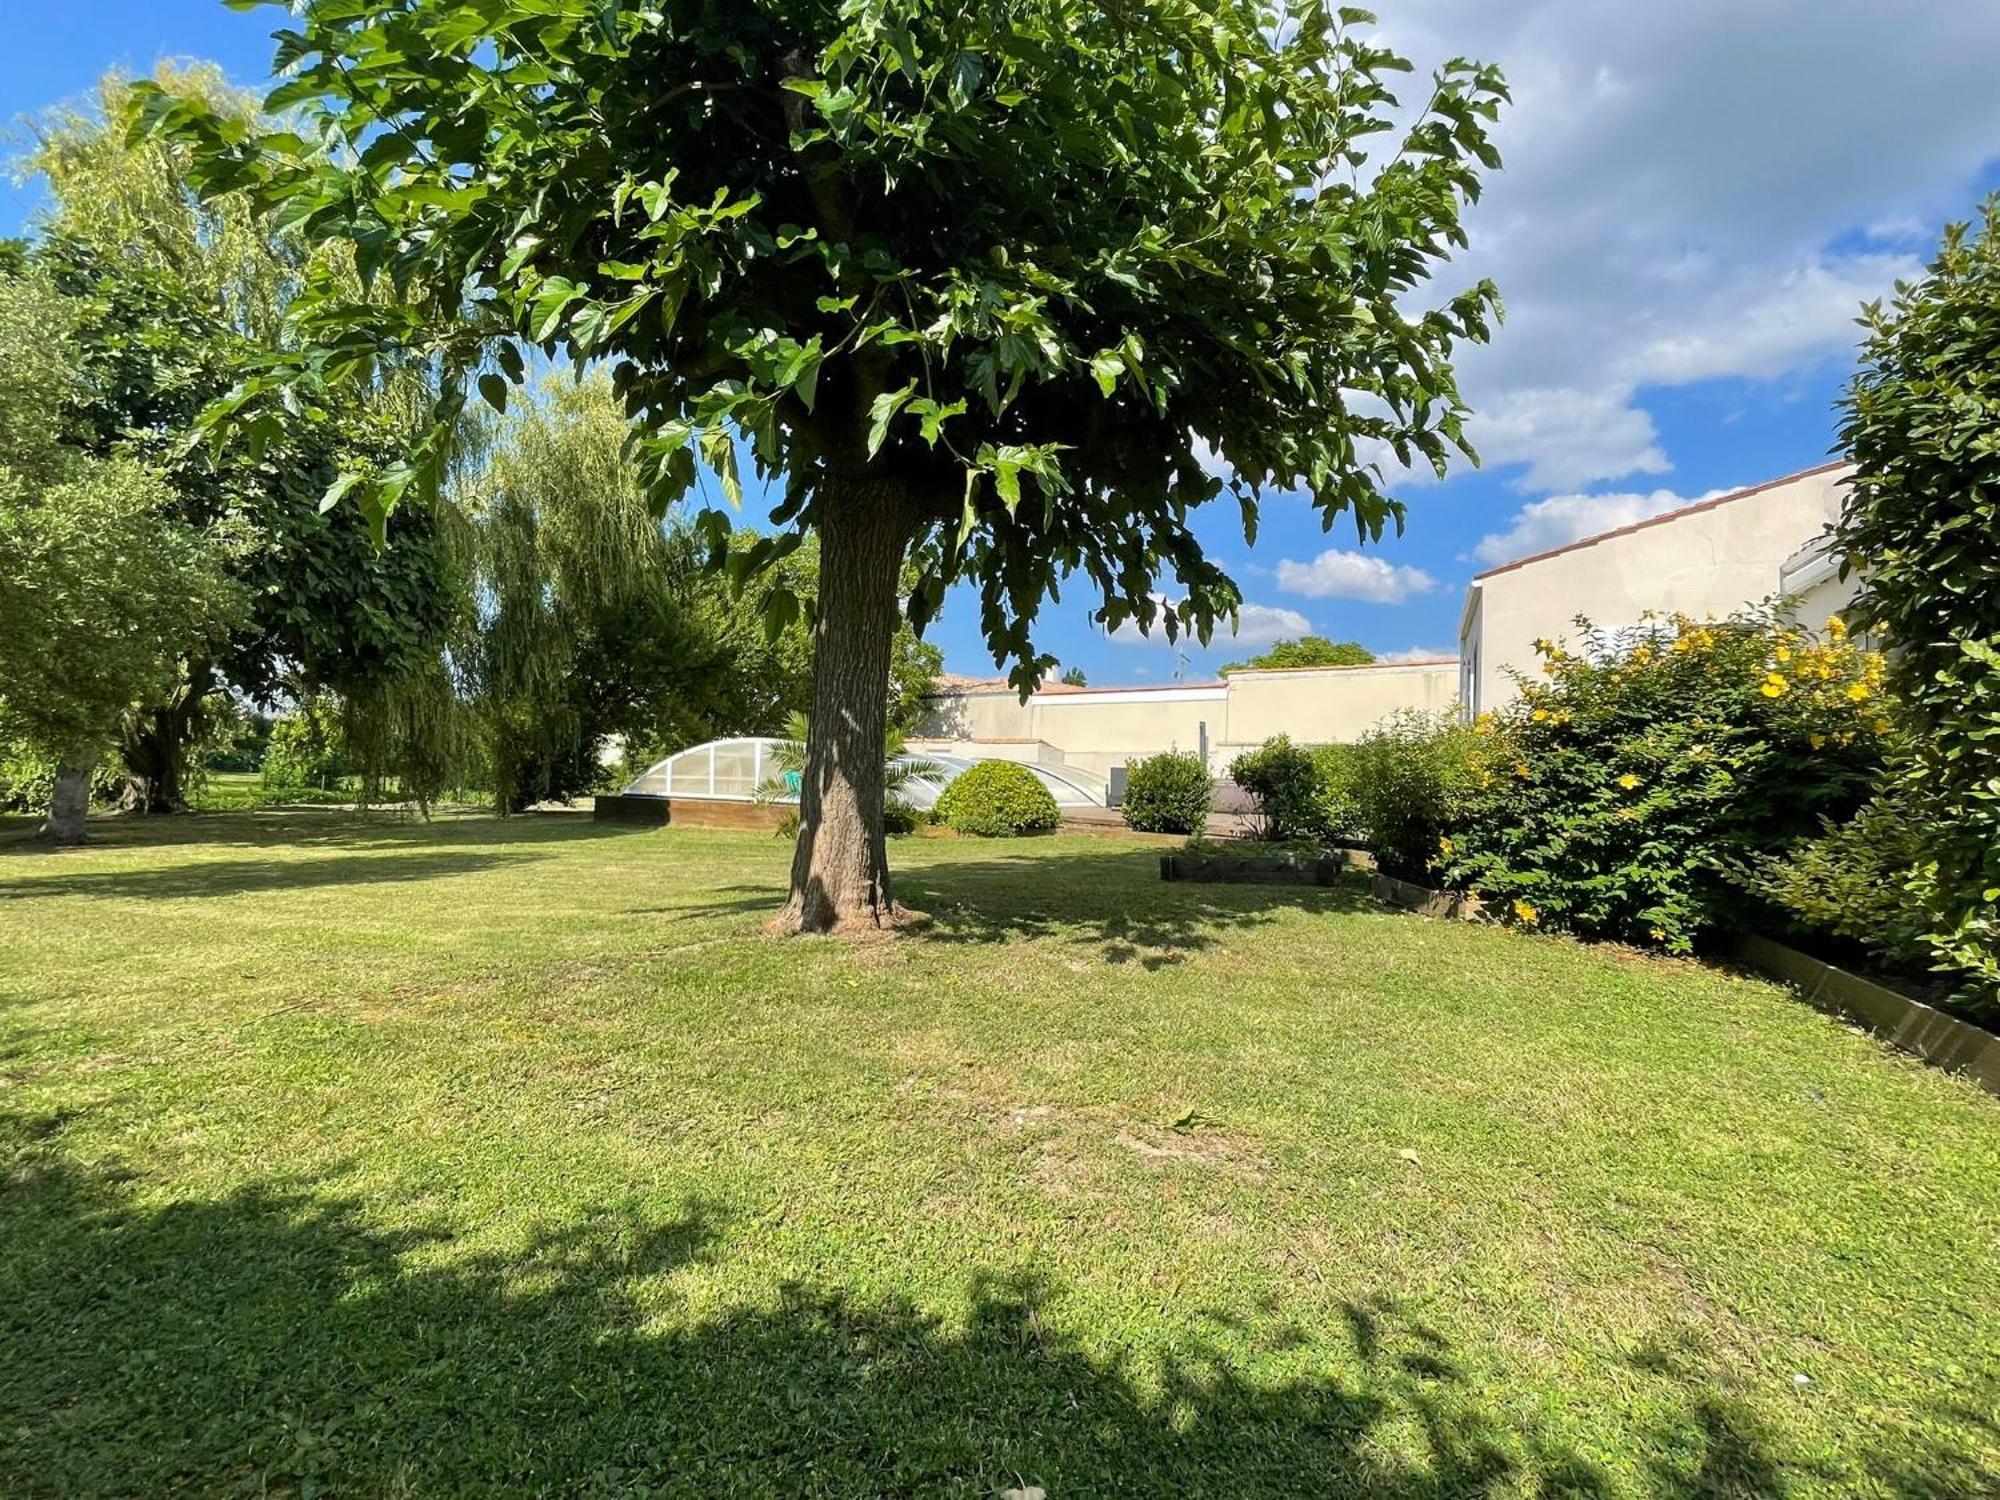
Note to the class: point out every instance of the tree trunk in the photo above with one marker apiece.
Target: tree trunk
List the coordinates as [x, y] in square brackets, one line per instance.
[69, 804]
[155, 753]
[840, 868]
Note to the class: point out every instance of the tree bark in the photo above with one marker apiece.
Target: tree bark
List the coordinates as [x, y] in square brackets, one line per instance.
[155, 753]
[69, 804]
[840, 867]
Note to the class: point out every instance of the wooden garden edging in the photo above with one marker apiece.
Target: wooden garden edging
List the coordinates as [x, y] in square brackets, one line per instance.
[1258, 869]
[1942, 1041]
[1460, 905]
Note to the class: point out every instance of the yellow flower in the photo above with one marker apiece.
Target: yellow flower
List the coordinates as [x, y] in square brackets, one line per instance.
[1521, 769]
[1444, 845]
[1657, 935]
[1775, 686]
[1628, 781]
[1817, 741]
[1784, 653]
[1857, 692]
[1836, 627]
[1880, 726]
[1539, 714]
[1526, 912]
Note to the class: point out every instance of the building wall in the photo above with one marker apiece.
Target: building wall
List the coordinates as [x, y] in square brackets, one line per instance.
[1100, 730]
[1321, 706]
[1712, 558]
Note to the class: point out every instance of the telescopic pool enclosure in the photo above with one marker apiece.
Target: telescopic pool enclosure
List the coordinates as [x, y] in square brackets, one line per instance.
[734, 770]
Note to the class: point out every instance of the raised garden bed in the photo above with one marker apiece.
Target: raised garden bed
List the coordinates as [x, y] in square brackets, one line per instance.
[1459, 905]
[1256, 869]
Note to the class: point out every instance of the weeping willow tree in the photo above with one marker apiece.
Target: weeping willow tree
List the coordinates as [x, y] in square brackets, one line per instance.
[581, 620]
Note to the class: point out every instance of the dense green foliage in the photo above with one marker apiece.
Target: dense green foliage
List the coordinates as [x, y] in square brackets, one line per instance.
[180, 301]
[1628, 780]
[1337, 805]
[1855, 881]
[101, 598]
[1023, 258]
[997, 799]
[1283, 784]
[308, 748]
[1306, 651]
[1411, 780]
[1168, 793]
[28, 776]
[1921, 522]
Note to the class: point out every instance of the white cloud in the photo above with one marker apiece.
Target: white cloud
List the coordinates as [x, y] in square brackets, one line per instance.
[1335, 574]
[1686, 198]
[1568, 437]
[1416, 653]
[1543, 524]
[1257, 625]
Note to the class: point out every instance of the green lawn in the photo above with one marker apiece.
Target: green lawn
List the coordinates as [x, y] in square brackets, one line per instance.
[355, 1156]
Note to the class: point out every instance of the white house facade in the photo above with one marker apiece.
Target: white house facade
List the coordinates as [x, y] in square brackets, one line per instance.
[1711, 558]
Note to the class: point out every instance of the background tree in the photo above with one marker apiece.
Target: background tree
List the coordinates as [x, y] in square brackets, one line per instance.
[1306, 651]
[989, 288]
[1922, 524]
[1074, 677]
[101, 594]
[179, 301]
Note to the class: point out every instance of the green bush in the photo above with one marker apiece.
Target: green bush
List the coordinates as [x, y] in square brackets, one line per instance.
[1283, 782]
[1638, 773]
[998, 799]
[308, 748]
[1855, 881]
[1337, 803]
[1168, 793]
[1920, 522]
[1410, 781]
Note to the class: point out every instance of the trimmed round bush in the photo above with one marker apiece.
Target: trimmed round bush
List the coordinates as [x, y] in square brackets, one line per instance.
[998, 799]
[1168, 793]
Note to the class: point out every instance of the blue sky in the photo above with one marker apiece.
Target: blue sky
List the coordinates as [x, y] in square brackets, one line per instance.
[1696, 199]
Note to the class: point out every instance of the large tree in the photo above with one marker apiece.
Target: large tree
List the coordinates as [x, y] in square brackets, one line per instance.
[103, 594]
[1306, 651]
[994, 287]
[178, 301]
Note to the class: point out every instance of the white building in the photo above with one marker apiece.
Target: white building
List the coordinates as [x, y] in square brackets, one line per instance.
[1714, 557]
[1098, 729]
[1711, 558]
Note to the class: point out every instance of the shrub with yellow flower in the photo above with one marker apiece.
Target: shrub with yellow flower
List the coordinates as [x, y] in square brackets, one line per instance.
[1742, 734]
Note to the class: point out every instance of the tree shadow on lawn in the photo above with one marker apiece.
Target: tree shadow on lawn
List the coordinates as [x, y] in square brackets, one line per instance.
[360, 846]
[278, 1341]
[1113, 902]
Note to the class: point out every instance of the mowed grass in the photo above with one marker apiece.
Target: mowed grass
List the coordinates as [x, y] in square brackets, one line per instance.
[348, 1155]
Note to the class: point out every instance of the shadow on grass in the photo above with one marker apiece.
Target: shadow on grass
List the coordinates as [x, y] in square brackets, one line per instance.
[1111, 901]
[235, 877]
[338, 828]
[276, 1340]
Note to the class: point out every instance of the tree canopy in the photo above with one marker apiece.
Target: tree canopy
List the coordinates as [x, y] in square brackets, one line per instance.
[1306, 651]
[1001, 290]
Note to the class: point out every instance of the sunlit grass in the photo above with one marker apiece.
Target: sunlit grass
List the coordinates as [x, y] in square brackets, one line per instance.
[493, 1156]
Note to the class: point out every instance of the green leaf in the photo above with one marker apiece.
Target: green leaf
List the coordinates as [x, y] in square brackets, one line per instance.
[881, 411]
[494, 389]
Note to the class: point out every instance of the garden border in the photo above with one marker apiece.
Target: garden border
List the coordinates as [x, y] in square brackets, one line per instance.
[1910, 1025]
[1256, 869]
